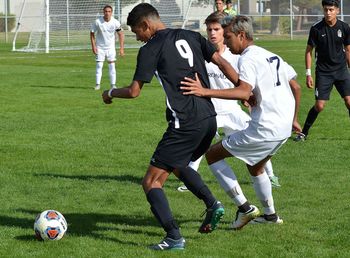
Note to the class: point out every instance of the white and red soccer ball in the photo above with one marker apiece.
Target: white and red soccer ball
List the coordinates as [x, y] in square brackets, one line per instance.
[50, 225]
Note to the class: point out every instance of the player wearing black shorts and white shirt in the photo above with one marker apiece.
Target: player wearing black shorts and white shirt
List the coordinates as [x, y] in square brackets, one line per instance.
[171, 55]
[331, 39]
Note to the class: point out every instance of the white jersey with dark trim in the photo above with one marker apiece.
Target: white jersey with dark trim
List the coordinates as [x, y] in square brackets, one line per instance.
[267, 73]
[105, 32]
[218, 80]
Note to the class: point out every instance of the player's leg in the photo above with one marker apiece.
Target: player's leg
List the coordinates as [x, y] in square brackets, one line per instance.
[99, 66]
[228, 181]
[202, 137]
[100, 58]
[269, 171]
[343, 87]
[347, 103]
[195, 166]
[324, 85]
[152, 184]
[111, 58]
[263, 190]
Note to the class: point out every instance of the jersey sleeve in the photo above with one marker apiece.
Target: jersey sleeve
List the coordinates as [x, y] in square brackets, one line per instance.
[118, 26]
[292, 75]
[94, 26]
[347, 35]
[208, 49]
[312, 37]
[247, 71]
[146, 65]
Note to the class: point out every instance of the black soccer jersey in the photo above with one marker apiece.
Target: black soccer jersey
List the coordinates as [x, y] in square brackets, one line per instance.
[329, 45]
[170, 55]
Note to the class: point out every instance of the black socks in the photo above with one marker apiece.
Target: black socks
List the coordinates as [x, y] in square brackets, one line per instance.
[195, 184]
[310, 119]
[161, 210]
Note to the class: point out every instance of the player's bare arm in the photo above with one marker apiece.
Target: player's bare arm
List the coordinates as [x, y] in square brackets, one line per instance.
[295, 87]
[132, 91]
[93, 43]
[121, 42]
[225, 67]
[194, 87]
[308, 61]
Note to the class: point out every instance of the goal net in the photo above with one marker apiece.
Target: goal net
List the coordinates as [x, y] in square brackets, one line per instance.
[65, 24]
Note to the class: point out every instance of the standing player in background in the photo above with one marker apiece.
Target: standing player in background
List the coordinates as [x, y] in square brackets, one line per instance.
[171, 55]
[331, 39]
[229, 8]
[219, 6]
[102, 36]
[230, 116]
[266, 76]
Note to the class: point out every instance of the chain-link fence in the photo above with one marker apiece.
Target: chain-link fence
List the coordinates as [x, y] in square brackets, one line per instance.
[271, 18]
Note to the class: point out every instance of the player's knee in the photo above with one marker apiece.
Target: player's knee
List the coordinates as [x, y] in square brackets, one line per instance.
[211, 156]
[319, 107]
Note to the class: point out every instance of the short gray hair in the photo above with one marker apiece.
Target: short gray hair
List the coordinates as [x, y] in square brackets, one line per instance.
[238, 24]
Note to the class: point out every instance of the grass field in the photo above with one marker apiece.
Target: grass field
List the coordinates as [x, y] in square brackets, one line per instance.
[62, 148]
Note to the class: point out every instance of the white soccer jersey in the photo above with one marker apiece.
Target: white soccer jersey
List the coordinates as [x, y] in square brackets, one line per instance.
[105, 32]
[218, 80]
[267, 73]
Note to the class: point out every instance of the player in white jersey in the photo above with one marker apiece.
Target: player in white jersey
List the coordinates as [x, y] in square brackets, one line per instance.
[230, 116]
[102, 36]
[264, 74]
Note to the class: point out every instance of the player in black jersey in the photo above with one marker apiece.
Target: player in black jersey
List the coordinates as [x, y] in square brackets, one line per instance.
[331, 39]
[171, 55]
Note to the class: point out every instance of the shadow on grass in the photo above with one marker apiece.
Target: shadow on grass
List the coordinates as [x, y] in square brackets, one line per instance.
[121, 178]
[171, 182]
[61, 87]
[94, 225]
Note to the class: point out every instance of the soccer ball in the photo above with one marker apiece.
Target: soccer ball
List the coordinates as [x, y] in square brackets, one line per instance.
[50, 225]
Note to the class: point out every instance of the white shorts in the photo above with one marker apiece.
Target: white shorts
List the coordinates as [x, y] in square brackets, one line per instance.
[249, 151]
[109, 54]
[231, 123]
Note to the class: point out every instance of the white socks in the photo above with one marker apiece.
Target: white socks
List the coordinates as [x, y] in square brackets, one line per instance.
[99, 66]
[268, 168]
[263, 191]
[112, 74]
[195, 164]
[228, 181]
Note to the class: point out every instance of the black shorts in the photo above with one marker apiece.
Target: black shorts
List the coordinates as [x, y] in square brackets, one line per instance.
[180, 146]
[326, 80]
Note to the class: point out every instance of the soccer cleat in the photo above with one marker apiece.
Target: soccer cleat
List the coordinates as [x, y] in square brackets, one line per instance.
[267, 219]
[274, 181]
[300, 138]
[97, 87]
[243, 219]
[182, 188]
[169, 244]
[213, 217]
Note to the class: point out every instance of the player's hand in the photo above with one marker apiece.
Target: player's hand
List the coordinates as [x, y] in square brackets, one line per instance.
[192, 87]
[251, 101]
[121, 52]
[106, 99]
[94, 50]
[296, 127]
[309, 82]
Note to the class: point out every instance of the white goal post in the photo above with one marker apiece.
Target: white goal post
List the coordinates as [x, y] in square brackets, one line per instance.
[65, 24]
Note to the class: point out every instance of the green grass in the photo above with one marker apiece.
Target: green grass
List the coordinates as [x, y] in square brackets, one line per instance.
[62, 148]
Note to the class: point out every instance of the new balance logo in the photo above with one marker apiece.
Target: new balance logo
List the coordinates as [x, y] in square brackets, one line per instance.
[163, 245]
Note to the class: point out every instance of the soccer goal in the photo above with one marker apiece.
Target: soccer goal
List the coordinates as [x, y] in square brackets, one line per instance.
[65, 24]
